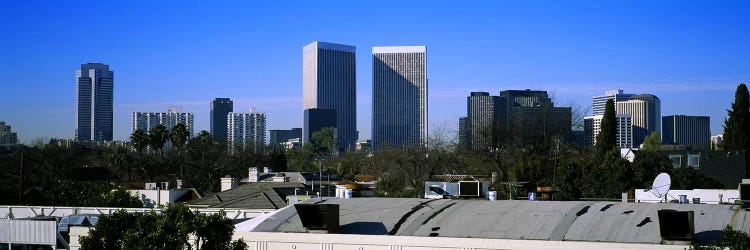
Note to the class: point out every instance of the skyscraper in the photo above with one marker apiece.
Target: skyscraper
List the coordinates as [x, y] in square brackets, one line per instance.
[246, 131]
[94, 102]
[616, 95]
[485, 114]
[532, 116]
[220, 107]
[693, 131]
[147, 120]
[645, 110]
[624, 135]
[329, 82]
[463, 132]
[7, 137]
[399, 96]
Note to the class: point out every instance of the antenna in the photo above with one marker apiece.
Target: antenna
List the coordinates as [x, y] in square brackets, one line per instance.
[661, 185]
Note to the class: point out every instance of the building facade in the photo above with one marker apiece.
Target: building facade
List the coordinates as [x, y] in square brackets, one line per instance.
[484, 116]
[600, 102]
[147, 120]
[691, 131]
[278, 136]
[532, 116]
[7, 137]
[329, 82]
[94, 102]
[220, 108]
[317, 119]
[463, 132]
[624, 134]
[645, 110]
[399, 95]
[246, 131]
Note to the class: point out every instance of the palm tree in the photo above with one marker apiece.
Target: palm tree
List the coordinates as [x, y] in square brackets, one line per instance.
[139, 139]
[179, 135]
[158, 137]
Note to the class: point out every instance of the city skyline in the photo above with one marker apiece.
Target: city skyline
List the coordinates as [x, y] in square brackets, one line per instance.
[690, 55]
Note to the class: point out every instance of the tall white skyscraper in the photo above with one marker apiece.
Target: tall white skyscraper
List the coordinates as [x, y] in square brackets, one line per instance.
[599, 101]
[399, 96]
[147, 120]
[94, 102]
[246, 131]
[329, 82]
[592, 126]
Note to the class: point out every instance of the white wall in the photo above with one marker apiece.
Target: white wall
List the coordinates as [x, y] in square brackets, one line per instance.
[151, 198]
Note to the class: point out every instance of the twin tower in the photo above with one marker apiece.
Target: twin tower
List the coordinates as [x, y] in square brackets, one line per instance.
[399, 94]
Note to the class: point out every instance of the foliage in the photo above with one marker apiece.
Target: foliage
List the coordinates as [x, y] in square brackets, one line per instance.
[730, 239]
[606, 140]
[652, 142]
[92, 194]
[179, 135]
[170, 229]
[322, 142]
[157, 137]
[737, 125]
[139, 139]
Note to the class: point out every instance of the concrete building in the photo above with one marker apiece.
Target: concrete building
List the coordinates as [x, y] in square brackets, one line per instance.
[716, 142]
[147, 120]
[691, 131]
[94, 102]
[329, 82]
[399, 96]
[7, 137]
[592, 128]
[485, 115]
[317, 119]
[220, 108]
[600, 102]
[463, 132]
[364, 145]
[278, 136]
[247, 131]
[645, 110]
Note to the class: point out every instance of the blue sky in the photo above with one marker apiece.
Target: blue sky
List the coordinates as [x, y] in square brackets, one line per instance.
[692, 54]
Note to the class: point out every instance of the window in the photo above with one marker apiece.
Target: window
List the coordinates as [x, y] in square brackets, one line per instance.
[676, 160]
[694, 161]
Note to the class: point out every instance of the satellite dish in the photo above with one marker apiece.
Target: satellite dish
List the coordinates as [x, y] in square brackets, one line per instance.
[661, 185]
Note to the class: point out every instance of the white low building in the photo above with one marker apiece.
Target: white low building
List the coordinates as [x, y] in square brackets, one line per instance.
[706, 196]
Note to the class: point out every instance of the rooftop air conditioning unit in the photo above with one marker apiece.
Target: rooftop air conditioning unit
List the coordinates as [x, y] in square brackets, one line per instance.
[469, 188]
[165, 185]
[744, 189]
[150, 185]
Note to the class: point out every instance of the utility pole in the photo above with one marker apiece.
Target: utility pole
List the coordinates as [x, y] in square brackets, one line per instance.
[20, 181]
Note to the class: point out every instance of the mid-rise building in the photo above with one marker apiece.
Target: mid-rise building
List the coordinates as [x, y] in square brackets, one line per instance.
[147, 120]
[485, 116]
[317, 119]
[329, 82]
[94, 102]
[624, 134]
[600, 102]
[364, 145]
[399, 96]
[7, 137]
[220, 108]
[716, 142]
[645, 110]
[463, 132]
[247, 131]
[278, 136]
[691, 131]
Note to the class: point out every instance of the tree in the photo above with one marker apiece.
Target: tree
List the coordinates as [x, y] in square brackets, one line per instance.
[606, 140]
[139, 139]
[652, 142]
[170, 229]
[737, 126]
[323, 142]
[157, 137]
[179, 135]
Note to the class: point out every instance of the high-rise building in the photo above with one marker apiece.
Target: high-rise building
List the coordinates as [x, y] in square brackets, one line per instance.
[246, 131]
[624, 134]
[220, 107]
[7, 137]
[692, 131]
[485, 114]
[317, 119]
[532, 116]
[147, 120]
[616, 95]
[645, 110]
[94, 102]
[463, 132]
[399, 96]
[329, 82]
[278, 136]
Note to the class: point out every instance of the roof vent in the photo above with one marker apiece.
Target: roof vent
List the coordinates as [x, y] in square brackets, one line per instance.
[319, 218]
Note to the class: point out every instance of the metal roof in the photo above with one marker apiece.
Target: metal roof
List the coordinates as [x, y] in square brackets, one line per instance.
[255, 195]
[539, 220]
